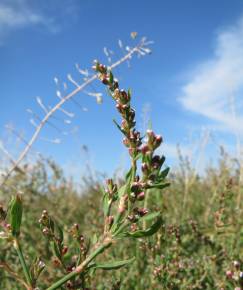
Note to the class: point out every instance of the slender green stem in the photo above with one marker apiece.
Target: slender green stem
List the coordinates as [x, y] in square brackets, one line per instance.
[80, 269]
[22, 261]
[145, 206]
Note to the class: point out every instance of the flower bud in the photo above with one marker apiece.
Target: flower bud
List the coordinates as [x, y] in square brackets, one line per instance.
[144, 149]
[131, 218]
[119, 107]
[135, 187]
[110, 220]
[116, 94]
[141, 211]
[229, 274]
[126, 142]
[145, 168]
[158, 139]
[141, 195]
[64, 250]
[105, 80]
[8, 227]
[236, 264]
[81, 239]
[45, 231]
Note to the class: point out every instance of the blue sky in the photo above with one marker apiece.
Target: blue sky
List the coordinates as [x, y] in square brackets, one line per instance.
[190, 85]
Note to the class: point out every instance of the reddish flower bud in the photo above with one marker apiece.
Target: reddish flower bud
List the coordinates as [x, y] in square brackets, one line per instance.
[126, 142]
[144, 149]
[110, 220]
[45, 231]
[8, 227]
[121, 209]
[119, 107]
[158, 139]
[64, 250]
[236, 264]
[135, 187]
[142, 211]
[105, 80]
[145, 168]
[76, 226]
[229, 274]
[134, 227]
[141, 195]
[116, 94]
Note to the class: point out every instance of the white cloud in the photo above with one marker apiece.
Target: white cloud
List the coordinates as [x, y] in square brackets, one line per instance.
[219, 80]
[18, 14]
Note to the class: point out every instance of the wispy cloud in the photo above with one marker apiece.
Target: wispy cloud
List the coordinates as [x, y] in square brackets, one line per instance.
[19, 14]
[172, 151]
[216, 84]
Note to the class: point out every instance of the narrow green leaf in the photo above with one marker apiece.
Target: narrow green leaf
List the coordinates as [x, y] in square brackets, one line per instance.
[145, 233]
[150, 216]
[164, 173]
[159, 185]
[105, 204]
[118, 126]
[139, 156]
[113, 265]
[59, 231]
[129, 173]
[122, 190]
[111, 77]
[15, 211]
[129, 93]
[56, 250]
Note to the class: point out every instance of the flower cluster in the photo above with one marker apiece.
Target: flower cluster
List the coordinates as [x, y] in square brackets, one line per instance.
[151, 163]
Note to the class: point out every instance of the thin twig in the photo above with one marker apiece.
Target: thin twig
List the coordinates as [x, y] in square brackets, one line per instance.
[6, 267]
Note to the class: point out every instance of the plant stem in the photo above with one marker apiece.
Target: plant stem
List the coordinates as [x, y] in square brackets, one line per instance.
[22, 261]
[80, 269]
[145, 206]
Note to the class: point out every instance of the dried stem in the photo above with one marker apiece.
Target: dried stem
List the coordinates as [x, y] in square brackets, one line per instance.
[45, 119]
[6, 267]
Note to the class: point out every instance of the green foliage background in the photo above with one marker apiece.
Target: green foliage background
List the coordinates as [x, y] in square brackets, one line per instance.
[199, 241]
